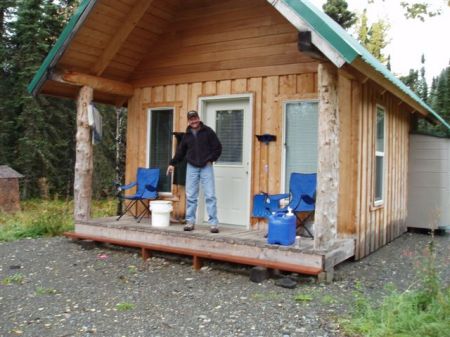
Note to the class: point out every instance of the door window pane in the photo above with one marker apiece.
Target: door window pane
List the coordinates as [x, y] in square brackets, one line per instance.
[161, 128]
[230, 130]
[301, 138]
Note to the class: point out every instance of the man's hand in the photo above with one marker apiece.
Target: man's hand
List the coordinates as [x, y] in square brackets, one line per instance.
[170, 170]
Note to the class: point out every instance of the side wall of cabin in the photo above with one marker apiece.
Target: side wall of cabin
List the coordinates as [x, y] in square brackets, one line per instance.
[372, 225]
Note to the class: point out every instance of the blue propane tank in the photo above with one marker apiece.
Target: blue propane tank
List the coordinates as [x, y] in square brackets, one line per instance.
[282, 229]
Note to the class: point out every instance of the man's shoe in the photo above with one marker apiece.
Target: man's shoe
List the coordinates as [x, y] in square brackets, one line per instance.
[188, 227]
[214, 229]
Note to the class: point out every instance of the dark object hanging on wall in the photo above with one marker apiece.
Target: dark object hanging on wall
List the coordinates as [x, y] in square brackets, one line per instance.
[306, 46]
[266, 138]
[179, 175]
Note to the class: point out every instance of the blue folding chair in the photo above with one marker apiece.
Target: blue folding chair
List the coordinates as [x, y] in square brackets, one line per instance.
[302, 198]
[262, 206]
[146, 189]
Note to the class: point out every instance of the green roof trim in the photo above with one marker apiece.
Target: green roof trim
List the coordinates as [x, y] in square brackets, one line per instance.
[59, 47]
[348, 47]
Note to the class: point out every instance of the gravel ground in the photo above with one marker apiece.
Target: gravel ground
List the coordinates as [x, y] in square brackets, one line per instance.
[57, 288]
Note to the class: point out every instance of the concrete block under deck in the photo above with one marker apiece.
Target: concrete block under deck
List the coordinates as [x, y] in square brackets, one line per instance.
[232, 244]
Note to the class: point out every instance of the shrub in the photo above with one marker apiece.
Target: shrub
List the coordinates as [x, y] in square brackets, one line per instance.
[422, 312]
[46, 218]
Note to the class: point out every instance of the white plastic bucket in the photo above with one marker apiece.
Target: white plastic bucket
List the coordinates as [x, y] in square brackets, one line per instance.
[161, 213]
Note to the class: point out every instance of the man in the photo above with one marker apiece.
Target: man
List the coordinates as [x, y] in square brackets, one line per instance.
[201, 147]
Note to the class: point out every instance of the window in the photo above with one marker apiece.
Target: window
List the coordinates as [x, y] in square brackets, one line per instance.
[230, 130]
[379, 156]
[301, 123]
[160, 144]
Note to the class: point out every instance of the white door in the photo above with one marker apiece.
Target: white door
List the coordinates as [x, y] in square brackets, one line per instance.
[231, 119]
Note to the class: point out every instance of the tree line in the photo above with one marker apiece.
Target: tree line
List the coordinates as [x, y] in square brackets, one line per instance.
[37, 134]
[374, 38]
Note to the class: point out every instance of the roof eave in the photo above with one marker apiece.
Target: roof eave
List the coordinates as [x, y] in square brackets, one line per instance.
[397, 88]
[341, 48]
[60, 46]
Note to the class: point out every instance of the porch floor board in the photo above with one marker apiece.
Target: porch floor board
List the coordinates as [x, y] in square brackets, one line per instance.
[232, 244]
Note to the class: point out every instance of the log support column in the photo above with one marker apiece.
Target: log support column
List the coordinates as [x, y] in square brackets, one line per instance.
[326, 213]
[84, 157]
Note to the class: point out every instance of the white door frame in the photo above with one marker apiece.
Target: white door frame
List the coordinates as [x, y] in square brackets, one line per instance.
[202, 103]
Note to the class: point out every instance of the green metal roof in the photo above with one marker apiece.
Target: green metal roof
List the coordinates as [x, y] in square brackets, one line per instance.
[60, 45]
[348, 47]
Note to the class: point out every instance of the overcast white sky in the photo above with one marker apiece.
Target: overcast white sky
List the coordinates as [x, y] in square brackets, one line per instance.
[409, 39]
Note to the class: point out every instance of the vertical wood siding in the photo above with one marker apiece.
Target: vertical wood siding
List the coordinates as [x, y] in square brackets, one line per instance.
[372, 226]
[269, 94]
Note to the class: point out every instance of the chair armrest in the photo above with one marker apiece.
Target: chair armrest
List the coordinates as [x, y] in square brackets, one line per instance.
[274, 202]
[127, 187]
[277, 197]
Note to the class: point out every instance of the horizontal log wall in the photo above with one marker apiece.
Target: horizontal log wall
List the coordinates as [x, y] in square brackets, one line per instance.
[269, 93]
[216, 40]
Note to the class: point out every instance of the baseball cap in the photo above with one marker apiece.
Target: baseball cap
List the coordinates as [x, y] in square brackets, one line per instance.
[192, 114]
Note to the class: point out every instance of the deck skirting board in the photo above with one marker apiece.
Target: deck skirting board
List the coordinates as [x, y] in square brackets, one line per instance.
[223, 247]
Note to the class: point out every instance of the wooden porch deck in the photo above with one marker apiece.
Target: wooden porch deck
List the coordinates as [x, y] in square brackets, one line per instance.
[232, 244]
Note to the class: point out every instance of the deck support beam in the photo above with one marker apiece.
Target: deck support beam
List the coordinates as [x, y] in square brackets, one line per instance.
[197, 263]
[145, 253]
[84, 160]
[328, 159]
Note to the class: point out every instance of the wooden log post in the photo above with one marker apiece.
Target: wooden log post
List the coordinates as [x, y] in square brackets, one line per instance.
[84, 157]
[326, 213]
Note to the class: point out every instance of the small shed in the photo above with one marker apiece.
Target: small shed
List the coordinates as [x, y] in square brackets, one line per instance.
[9, 189]
[429, 182]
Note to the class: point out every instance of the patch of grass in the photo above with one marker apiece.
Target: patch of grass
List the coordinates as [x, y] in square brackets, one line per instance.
[40, 291]
[103, 207]
[303, 297]
[13, 279]
[132, 269]
[46, 218]
[268, 296]
[124, 306]
[328, 299]
[422, 311]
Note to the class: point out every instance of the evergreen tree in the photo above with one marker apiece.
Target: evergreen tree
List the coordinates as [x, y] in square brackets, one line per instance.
[37, 135]
[7, 133]
[373, 38]
[423, 86]
[338, 11]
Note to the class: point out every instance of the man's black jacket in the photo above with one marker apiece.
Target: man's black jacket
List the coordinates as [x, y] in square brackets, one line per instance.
[200, 149]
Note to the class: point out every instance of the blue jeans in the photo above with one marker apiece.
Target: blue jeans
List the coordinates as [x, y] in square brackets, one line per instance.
[194, 177]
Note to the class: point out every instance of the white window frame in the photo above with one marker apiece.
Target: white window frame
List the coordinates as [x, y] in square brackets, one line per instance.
[379, 202]
[283, 153]
[149, 128]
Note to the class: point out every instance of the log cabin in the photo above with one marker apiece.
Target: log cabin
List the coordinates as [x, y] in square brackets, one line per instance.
[279, 67]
